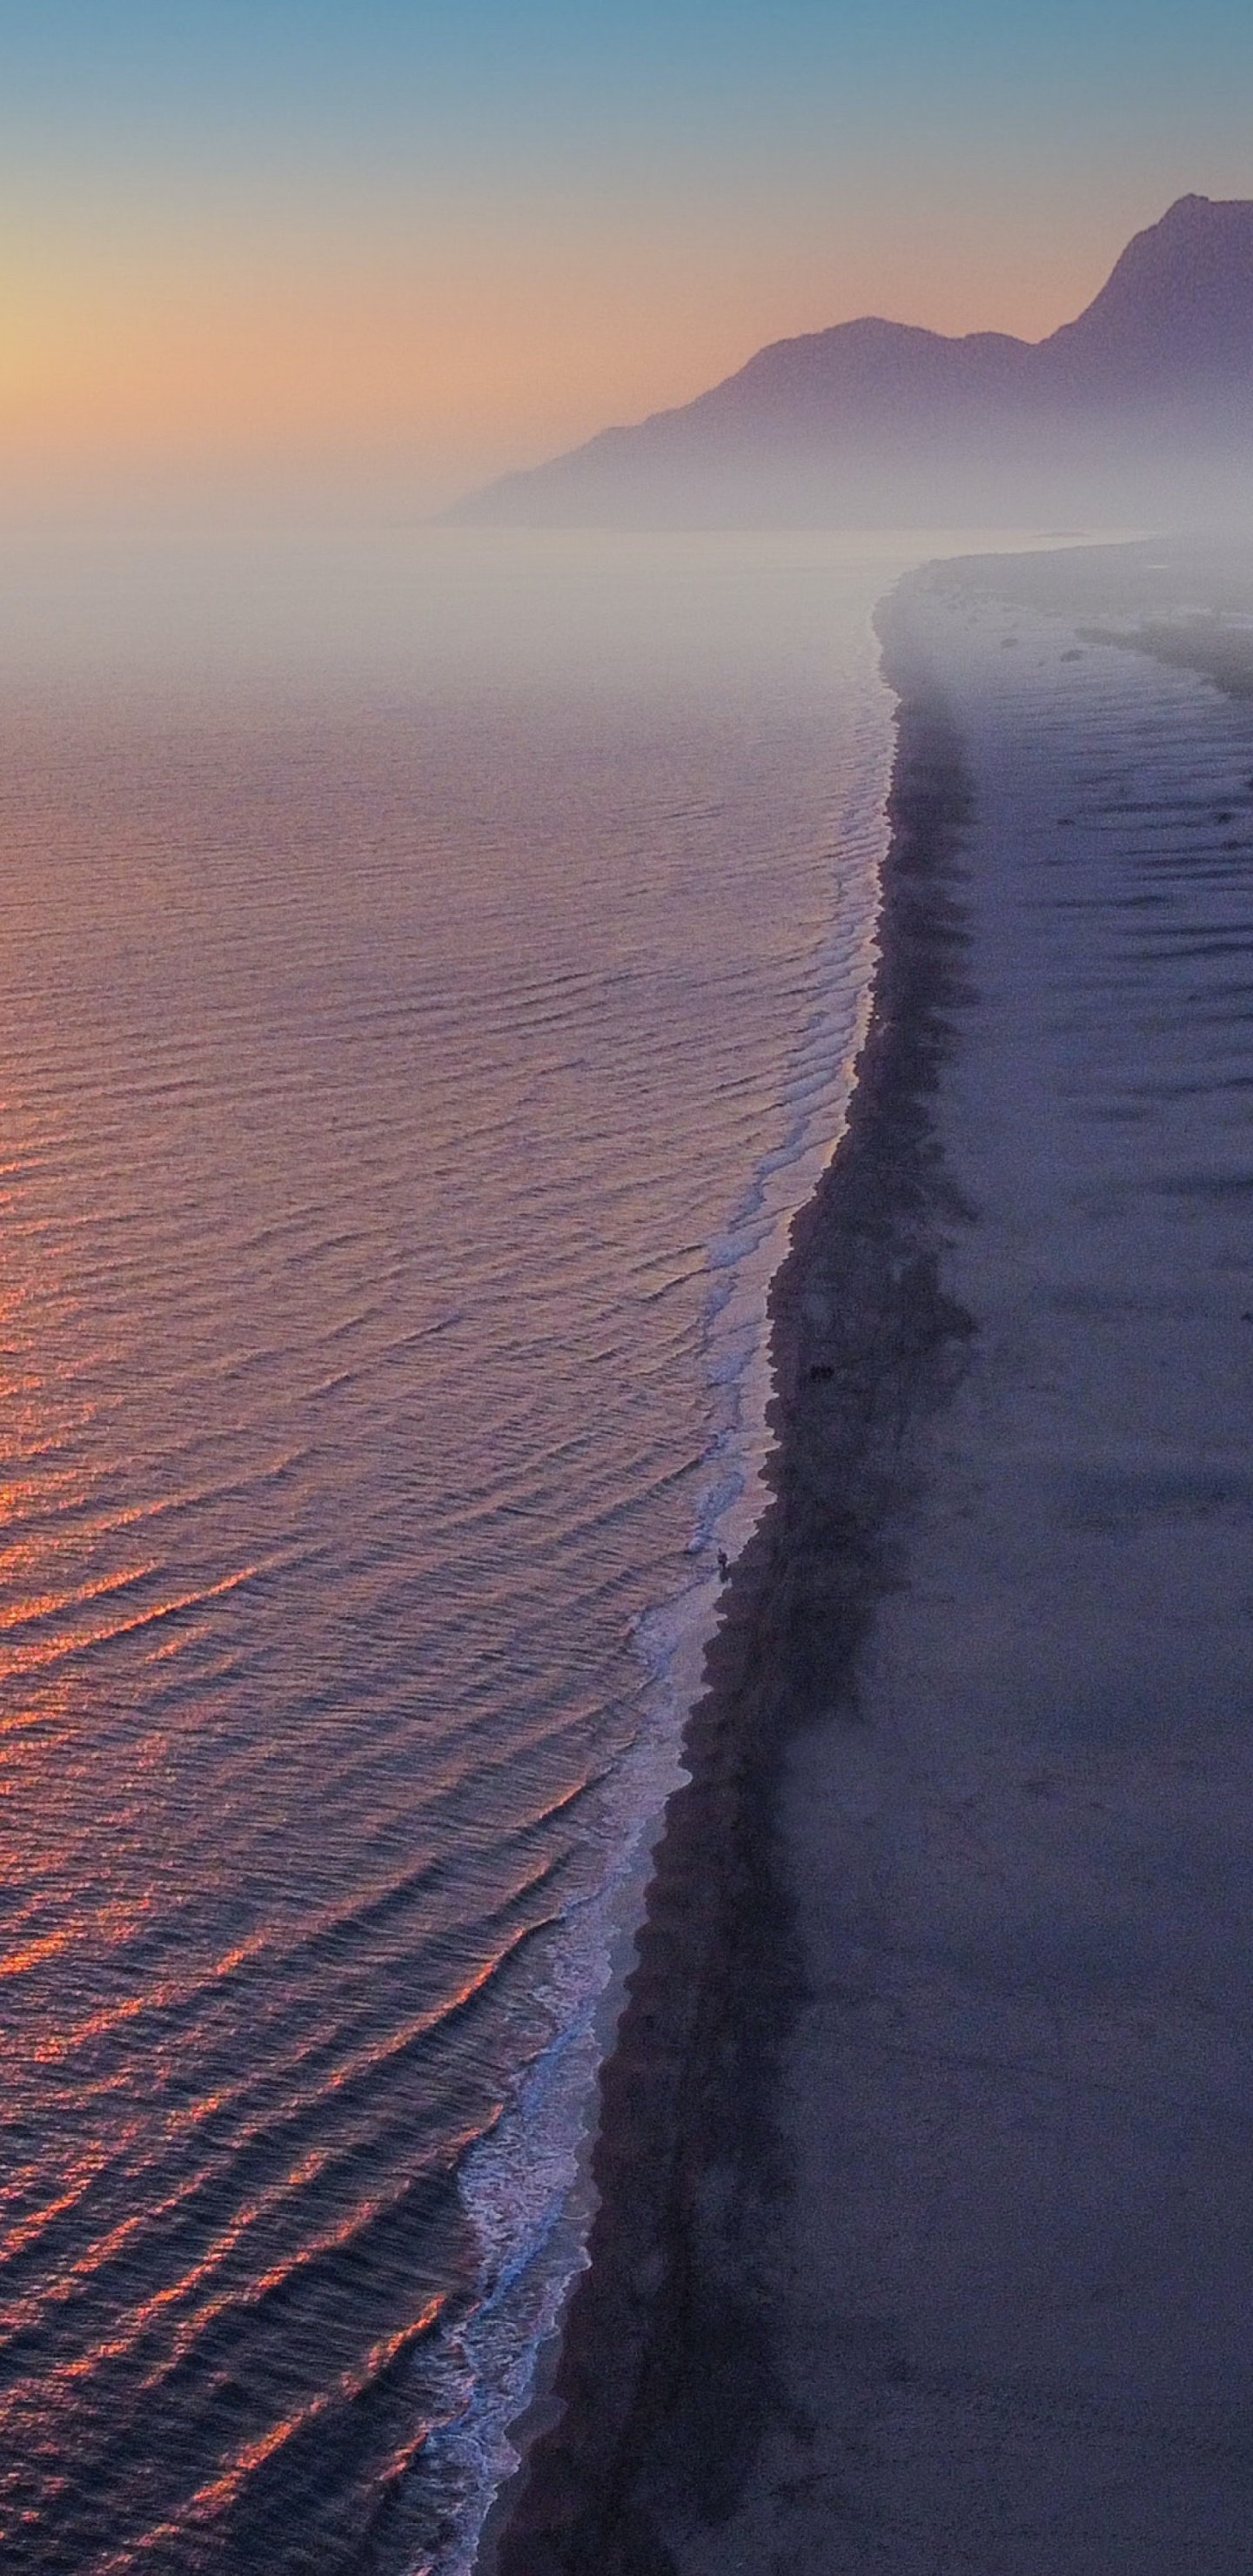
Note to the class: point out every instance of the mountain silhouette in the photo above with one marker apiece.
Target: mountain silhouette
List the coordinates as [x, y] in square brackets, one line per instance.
[1140, 410]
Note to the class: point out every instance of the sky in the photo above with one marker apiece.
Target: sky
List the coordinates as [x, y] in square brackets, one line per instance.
[305, 255]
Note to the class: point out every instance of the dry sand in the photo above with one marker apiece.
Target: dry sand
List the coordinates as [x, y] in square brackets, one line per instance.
[926, 2160]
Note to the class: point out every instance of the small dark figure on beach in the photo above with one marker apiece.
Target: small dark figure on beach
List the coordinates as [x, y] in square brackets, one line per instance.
[724, 1565]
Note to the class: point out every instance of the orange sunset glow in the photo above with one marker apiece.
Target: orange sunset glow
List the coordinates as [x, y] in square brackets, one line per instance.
[416, 353]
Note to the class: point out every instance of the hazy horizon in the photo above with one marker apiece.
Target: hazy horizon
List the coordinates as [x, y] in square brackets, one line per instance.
[313, 262]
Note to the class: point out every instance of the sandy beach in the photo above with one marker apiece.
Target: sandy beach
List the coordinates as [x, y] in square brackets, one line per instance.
[926, 2229]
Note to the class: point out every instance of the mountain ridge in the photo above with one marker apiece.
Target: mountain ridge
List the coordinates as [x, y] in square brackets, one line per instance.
[871, 420]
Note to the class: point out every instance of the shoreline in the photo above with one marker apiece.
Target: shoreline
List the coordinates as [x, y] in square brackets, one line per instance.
[925, 2227]
[744, 1442]
[664, 2380]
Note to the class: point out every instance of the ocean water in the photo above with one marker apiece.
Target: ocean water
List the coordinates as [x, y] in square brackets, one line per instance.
[430, 973]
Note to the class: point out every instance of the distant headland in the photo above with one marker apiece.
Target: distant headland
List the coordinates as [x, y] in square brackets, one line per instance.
[1139, 411]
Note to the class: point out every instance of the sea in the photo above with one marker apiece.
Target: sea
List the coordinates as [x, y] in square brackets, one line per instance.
[432, 965]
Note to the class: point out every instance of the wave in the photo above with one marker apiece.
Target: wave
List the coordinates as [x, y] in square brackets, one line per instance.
[526, 2185]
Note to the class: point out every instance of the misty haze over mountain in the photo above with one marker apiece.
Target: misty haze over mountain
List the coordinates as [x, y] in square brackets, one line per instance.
[1140, 410]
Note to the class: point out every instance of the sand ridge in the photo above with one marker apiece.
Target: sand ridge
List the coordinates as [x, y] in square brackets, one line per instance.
[1019, 2090]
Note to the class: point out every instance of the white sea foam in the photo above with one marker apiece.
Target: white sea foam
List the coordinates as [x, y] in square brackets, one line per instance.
[526, 2186]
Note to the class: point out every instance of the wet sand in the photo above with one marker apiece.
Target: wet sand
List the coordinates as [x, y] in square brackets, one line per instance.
[926, 2150]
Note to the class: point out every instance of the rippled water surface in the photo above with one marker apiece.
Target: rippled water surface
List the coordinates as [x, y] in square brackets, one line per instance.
[428, 973]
